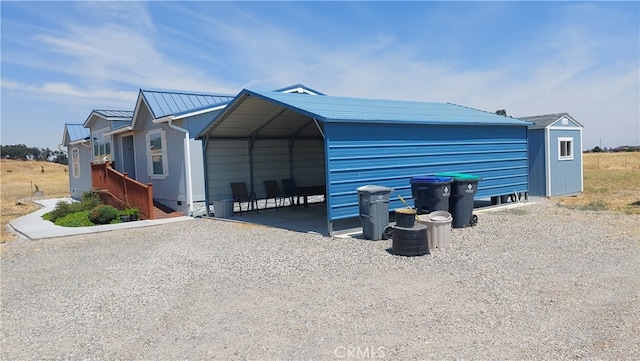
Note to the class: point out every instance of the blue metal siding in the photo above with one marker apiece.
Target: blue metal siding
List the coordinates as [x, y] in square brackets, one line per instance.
[389, 155]
[308, 163]
[537, 163]
[566, 175]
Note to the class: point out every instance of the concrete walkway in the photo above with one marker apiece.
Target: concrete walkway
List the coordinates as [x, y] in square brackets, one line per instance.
[34, 227]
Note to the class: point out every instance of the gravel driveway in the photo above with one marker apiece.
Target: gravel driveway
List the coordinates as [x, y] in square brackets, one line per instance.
[538, 282]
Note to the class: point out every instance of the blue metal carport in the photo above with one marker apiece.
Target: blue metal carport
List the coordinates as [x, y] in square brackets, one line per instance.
[382, 142]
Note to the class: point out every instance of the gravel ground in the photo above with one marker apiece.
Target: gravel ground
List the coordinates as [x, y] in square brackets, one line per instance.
[538, 282]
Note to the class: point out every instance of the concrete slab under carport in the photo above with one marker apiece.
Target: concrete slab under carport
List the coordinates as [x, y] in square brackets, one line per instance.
[313, 219]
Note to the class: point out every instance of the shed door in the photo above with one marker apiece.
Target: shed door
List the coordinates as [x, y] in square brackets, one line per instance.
[565, 161]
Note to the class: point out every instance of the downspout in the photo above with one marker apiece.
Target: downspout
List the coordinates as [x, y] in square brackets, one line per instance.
[187, 160]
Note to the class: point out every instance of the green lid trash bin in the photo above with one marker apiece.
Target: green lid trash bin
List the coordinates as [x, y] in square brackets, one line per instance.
[463, 190]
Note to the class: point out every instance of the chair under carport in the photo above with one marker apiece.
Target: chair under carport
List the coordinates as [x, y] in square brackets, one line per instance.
[242, 195]
[273, 192]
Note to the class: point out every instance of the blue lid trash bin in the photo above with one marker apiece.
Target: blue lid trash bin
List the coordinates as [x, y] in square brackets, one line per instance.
[373, 202]
[431, 193]
[463, 191]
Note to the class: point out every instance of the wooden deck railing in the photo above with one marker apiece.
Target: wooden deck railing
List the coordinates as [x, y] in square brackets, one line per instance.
[126, 192]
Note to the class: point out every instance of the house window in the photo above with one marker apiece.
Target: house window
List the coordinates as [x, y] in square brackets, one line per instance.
[157, 165]
[565, 151]
[75, 162]
[101, 145]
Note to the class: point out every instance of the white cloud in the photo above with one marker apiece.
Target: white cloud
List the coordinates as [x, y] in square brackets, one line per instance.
[561, 70]
[65, 92]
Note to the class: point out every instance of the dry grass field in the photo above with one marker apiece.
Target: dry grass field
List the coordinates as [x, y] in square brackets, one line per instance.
[17, 179]
[611, 182]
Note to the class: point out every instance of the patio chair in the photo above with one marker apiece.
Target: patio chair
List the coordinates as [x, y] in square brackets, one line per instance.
[273, 191]
[241, 195]
[290, 191]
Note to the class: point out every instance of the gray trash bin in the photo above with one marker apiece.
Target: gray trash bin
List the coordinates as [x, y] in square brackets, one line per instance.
[223, 208]
[374, 210]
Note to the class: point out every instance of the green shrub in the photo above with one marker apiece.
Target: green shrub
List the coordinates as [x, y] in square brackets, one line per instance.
[103, 214]
[134, 213]
[90, 200]
[62, 209]
[77, 219]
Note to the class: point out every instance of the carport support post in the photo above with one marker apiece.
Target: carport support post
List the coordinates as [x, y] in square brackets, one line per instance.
[292, 139]
[205, 141]
[251, 139]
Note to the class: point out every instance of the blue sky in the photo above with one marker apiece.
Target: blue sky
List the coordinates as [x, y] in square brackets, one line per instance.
[61, 60]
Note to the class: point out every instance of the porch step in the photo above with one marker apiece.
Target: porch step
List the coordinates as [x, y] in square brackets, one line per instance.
[161, 211]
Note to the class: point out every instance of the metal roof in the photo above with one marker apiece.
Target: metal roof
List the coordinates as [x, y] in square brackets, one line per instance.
[114, 114]
[74, 132]
[110, 115]
[296, 88]
[331, 108]
[543, 121]
[164, 103]
[275, 114]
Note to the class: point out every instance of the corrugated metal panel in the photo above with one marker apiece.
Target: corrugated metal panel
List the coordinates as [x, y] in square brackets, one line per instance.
[227, 162]
[308, 162]
[566, 175]
[389, 155]
[164, 103]
[537, 163]
[263, 119]
[270, 162]
[343, 109]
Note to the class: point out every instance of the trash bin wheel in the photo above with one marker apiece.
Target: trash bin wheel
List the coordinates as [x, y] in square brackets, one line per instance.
[474, 220]
[387, 233]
